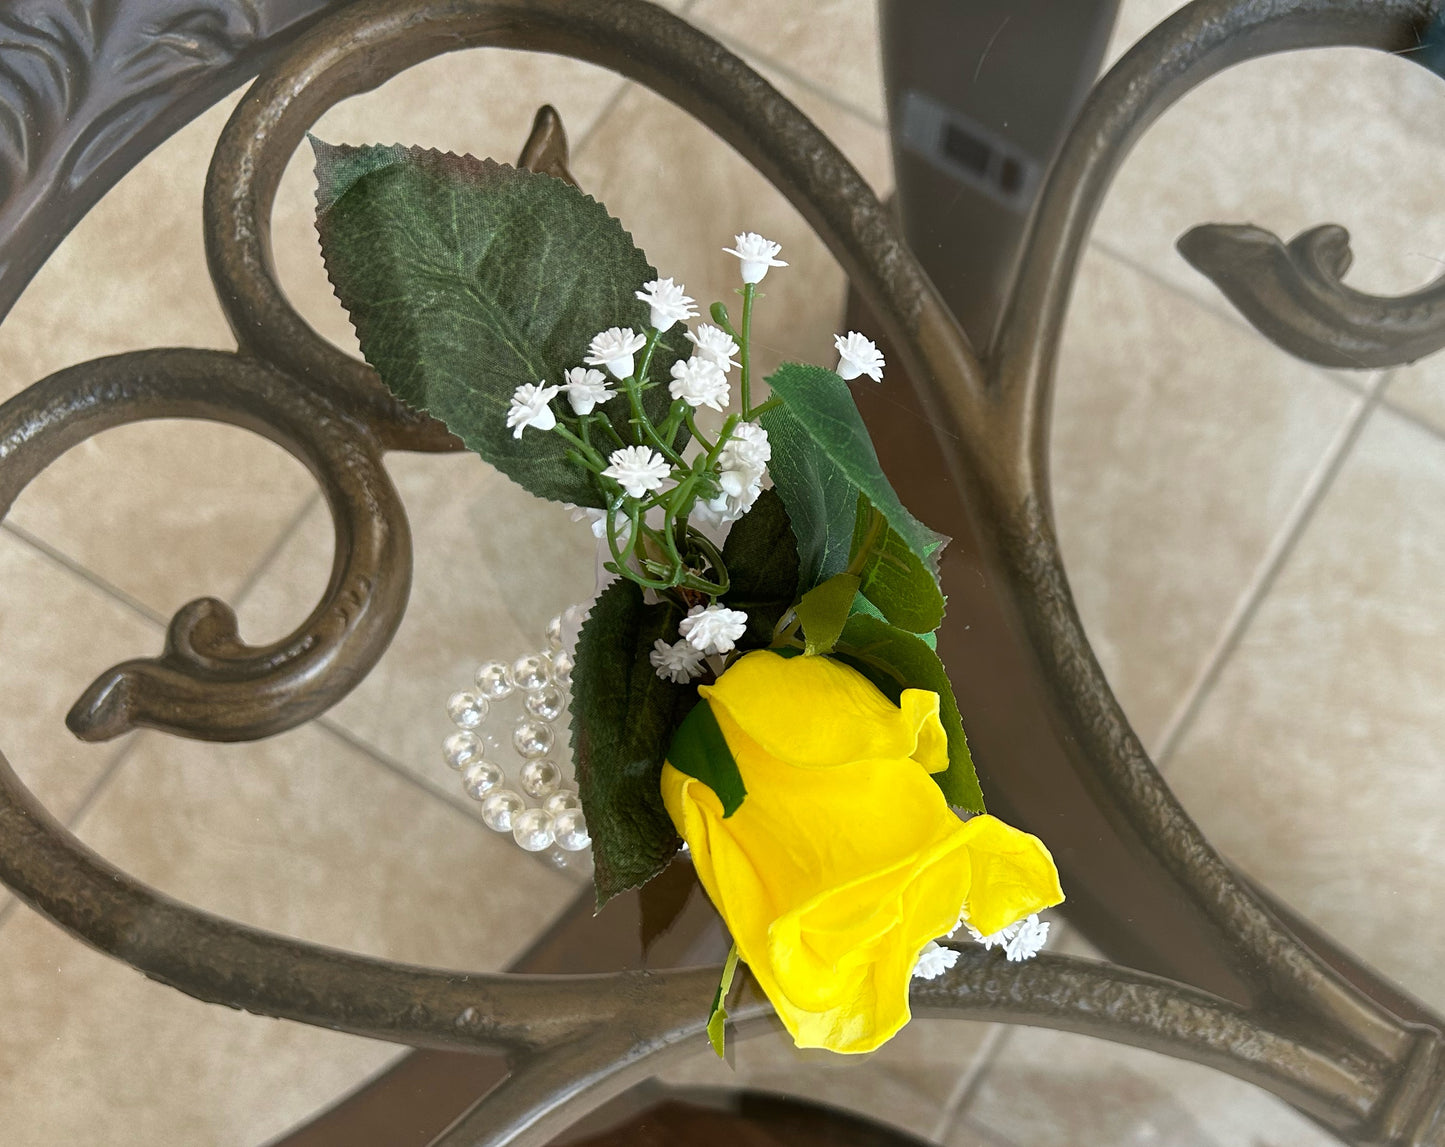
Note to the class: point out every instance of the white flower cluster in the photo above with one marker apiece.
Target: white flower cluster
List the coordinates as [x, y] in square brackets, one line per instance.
[639, 470]
[742, 464]
[757, 255]
[933, 961]
[858, 355]
[1020, 941]
[739, 460]
[707, 629]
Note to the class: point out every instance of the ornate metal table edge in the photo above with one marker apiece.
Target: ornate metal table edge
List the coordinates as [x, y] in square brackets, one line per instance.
[1298, 1029]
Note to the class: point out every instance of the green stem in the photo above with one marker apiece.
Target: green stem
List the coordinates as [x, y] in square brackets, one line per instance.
[675, 417]
[750, 291]
[718, 1017]
[693, 430]
[588, 452]
[606, 424]
[653, 337]
[640, 421]
[720, 570]
[727, 432]
[763, 408]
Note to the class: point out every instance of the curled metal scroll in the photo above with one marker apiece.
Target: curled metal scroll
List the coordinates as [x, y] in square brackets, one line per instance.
[1298, 1031]
[208, 682]
[1294, 294]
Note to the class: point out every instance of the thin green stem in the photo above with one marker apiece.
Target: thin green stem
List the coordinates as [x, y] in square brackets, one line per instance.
[606, 424]
[675, 418]
[727, 432]
[596, 462]
[715, 559]
[653, 336]
[750, 291]
[692, 429]
[718, 1017]
[763, 408]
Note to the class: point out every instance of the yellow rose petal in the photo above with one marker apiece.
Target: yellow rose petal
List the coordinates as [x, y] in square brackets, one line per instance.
[1012, 875]
[812, 712]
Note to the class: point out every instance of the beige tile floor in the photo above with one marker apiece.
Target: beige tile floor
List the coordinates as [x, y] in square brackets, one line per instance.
[1257, 547]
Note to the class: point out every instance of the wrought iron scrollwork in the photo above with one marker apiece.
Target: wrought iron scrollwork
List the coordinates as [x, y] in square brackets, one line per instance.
[1289, 1024]
[1294, 295]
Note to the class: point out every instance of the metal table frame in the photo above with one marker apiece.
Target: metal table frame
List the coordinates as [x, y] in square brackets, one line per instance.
[89, 86]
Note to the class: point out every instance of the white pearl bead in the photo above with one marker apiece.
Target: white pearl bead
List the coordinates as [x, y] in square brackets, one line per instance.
[532, 829]
[461, 749]
[467, 709]
[562, 667]
[540, 778]
[569, 827]
[561, 801]
[532, 739]
[499, 807]
[480, 778]
[531, 672]
[546, 704]
[494, 680]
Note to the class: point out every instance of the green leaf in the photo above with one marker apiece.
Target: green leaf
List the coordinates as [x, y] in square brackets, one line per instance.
[465, 278]
[700, 750]
[762, 559]
[824, 609]
[822, 459]
[891, 656]
[818, 496]
[893, 577]
[623, 718]
[862, 605]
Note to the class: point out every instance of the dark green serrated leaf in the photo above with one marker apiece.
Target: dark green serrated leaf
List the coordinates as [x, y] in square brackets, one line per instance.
[824, 609]
[761, 555]
[623, 718]
[826, 459]
[893, 577]
[878, 648]
[465, 278]
[700, 750]
[819, 498]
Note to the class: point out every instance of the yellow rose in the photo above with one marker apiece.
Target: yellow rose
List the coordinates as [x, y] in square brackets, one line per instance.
[844, 859]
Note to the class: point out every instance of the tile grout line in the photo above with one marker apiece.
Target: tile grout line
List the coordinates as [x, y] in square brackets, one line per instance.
[59, 557]
[289, 531]
[340, 732]
[1335, 375]
[1267, 573]
[971, 1080]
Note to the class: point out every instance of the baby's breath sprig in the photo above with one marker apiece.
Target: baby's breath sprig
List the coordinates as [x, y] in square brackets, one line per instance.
[661, 498]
